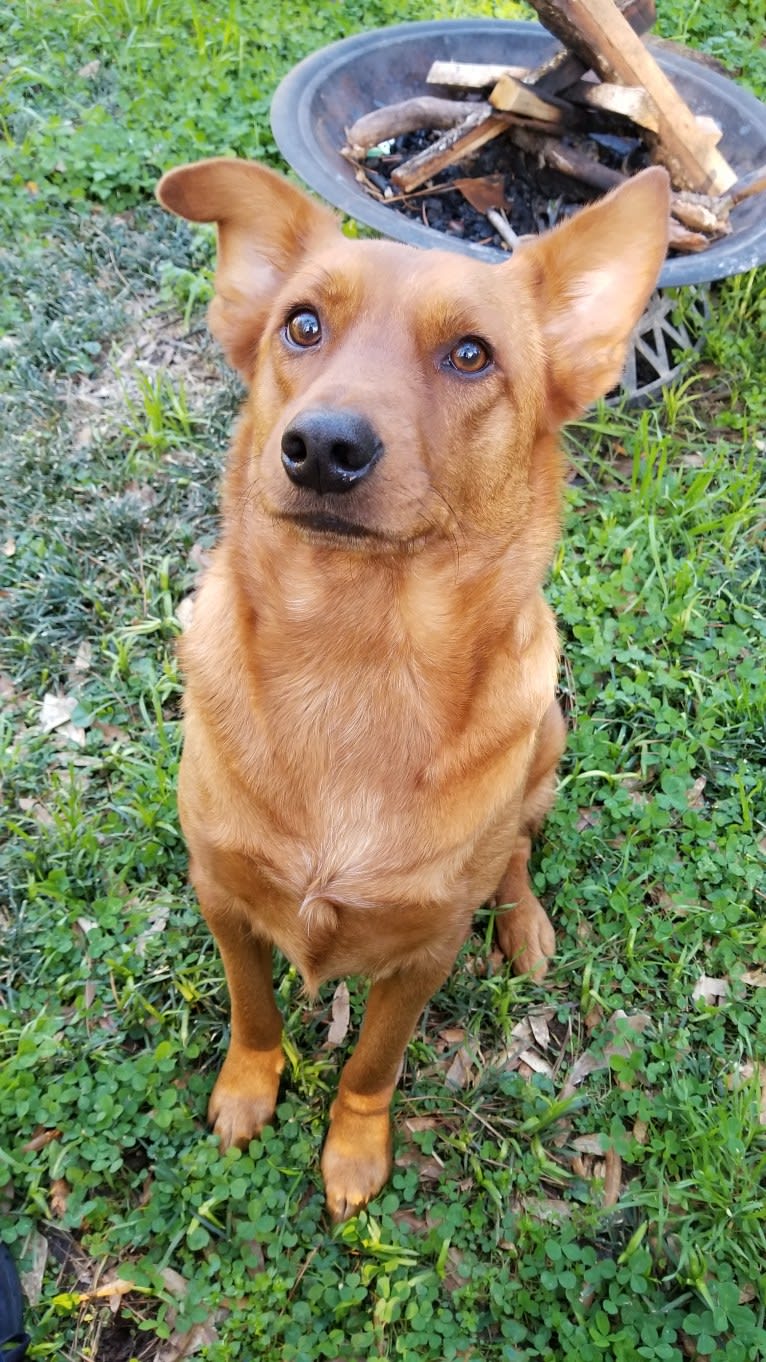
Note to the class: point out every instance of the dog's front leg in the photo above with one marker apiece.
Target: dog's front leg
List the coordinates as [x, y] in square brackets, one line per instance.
[357, 1155]
[245, 1093]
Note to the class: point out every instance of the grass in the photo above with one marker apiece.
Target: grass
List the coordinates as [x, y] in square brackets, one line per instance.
[579, 1169]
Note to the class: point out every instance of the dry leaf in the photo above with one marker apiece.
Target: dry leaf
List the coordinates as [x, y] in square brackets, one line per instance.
[56, 711]
[459, 1073]
[590, 1062]
[453, 1034]
[36, 1250]
[483, 192]
[536, 1063]
[341, 1015]
[156, 921]
[185, 612]
[745, 1073]
[589, 1144]
[612, 1178]
[40, 1139]
[712, 990]
[539, 1025]
[37, 811]
[59, 1197]
[755, 978]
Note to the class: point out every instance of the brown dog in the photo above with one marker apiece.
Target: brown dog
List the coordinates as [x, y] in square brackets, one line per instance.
[371, 733]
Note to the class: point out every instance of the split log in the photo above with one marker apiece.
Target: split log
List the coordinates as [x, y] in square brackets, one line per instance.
[471, 75]
[560, 71]
[409, 116]
[629, 101]
[599, 35]
[573, 161]
[480, 127]
[513, 96]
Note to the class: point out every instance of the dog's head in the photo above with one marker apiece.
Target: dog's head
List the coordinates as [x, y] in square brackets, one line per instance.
[396, 394]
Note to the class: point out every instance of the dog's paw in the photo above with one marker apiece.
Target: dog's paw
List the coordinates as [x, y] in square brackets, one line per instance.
[245, 1095]
[356, 1159]
[526, 936]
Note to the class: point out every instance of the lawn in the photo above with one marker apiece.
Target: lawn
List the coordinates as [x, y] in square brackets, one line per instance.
[580, 1167]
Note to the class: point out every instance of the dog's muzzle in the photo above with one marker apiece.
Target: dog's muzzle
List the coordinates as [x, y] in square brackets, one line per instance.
[329, 450]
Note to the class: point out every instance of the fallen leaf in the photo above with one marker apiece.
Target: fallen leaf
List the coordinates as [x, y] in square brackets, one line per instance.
[40, 1139]
[341, 1015]
[755, 978]
[536, 1063]
[713, 991]
[185, 612]
[59, 1197]
[745, 1073]
[453, 1034]
[37, 811]
[591, 1062]
[56, 711]
[156, 921]
[482, 192]
[589, 1144]
[35, 1251]
[539, 1025]
[612, 1178]
[460, 1072]
[83, 656]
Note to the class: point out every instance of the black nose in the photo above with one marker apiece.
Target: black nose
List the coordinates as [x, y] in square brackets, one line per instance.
[329, 450]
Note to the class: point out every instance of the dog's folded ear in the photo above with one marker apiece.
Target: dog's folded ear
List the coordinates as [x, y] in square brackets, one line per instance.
[264, 226]
[592, 278]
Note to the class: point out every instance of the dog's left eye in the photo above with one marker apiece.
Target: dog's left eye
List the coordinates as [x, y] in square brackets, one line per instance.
[469, 356]
[303, 327]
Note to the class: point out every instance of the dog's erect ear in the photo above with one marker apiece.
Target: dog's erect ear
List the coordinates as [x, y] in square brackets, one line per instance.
[264, 226]
[593, 277]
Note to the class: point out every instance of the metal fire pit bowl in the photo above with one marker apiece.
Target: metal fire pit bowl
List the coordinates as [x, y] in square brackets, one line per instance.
[329, 90]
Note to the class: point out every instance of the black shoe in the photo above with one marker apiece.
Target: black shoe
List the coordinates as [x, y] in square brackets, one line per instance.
[13, 1341]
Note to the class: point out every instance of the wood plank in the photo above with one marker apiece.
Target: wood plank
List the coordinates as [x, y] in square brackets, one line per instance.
[597, 33]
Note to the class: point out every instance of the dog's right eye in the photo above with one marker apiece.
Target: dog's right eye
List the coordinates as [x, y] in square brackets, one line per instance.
[303, 328]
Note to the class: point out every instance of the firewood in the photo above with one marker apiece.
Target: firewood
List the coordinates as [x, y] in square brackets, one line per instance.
[702, 213]
[513, 96]
[560, 71]
[471, 75]
[408, 116]
[570, 160]
[680, 238]
[754, 183]
[478, 128]
[599, 35]
[629, 101]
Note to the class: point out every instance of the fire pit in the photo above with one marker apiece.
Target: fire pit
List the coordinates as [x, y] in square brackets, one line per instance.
[327, 92]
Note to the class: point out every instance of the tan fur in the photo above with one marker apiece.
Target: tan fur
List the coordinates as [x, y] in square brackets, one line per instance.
[371, 733]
